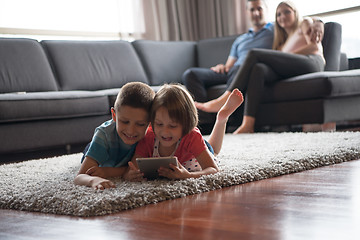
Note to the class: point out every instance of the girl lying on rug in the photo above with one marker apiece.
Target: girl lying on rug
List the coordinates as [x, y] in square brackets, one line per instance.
[174, 119]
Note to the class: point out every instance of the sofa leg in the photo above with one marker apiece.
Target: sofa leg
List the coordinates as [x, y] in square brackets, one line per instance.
[68, 148]
[325, 127]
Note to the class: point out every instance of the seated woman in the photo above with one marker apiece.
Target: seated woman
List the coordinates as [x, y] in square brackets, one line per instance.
[296, 51]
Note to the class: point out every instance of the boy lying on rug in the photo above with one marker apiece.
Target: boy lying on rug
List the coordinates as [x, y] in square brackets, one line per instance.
[114, 141]
[174, 119]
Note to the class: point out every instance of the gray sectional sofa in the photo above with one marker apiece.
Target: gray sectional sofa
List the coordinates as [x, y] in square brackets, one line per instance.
[54, 93]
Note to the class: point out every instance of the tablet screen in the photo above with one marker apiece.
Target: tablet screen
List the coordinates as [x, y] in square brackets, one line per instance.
[150, 166]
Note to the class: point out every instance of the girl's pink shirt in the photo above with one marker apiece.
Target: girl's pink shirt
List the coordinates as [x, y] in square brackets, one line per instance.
[191, 145]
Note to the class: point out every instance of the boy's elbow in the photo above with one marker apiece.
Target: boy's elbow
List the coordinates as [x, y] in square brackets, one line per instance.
[76, 180]
[80, 179]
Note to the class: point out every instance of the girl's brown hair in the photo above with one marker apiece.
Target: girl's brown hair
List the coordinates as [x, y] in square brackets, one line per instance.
[180, 105]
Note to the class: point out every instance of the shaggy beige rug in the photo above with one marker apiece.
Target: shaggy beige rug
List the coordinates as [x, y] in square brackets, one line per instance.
[46, 185]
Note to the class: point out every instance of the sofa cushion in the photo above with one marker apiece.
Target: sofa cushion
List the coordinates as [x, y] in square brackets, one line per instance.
[165, 62]
[24, 67]
[47, 136]
[93, 65]
[314, 86]
[52, 105]
[344, 62]
[214, 50]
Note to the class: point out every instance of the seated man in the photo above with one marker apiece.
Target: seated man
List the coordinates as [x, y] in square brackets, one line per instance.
[197, 80]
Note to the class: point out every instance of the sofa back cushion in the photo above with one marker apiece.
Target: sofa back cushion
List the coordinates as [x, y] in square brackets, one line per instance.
[214, 50]
[332, 45]
[165, 61]
[94, 65]
[24, 67]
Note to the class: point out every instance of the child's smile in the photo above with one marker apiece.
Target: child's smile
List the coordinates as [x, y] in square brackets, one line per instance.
[166, 130]
[131, 123]
[166, 138]
[129, 137]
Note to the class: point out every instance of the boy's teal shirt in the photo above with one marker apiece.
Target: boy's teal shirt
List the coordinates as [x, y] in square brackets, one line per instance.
[107, 148]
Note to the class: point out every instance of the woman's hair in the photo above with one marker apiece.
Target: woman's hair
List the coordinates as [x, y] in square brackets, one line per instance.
[136, 95]
[280, 35]
[180, 105]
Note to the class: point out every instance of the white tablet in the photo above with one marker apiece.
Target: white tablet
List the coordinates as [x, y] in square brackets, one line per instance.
[150, 166]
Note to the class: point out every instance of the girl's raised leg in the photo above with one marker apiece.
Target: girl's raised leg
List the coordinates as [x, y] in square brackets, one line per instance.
[233, 101]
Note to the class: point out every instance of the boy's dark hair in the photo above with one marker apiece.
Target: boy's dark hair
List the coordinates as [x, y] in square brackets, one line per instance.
[263, 1]
[180, 105]
[136, 95]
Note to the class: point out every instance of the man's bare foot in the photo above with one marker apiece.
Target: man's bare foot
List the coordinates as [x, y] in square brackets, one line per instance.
[247, 125]
[213, 105]
[243, 129]
[234, 100]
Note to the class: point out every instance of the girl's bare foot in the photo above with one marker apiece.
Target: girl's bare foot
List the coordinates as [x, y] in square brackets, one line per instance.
[213, 105]
[234, 100]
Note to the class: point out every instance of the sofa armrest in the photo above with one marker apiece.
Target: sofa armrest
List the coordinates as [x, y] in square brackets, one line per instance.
[332, 45]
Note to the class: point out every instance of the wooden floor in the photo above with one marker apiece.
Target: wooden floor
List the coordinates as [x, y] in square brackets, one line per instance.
[323, 203]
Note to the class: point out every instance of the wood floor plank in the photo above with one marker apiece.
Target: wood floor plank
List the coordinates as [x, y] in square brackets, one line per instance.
[322, 203]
